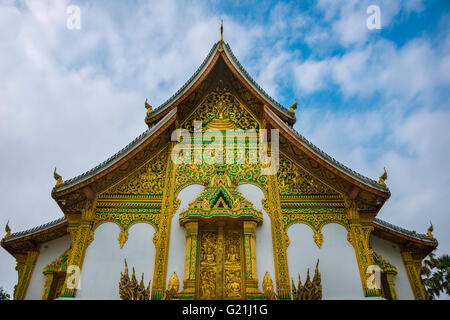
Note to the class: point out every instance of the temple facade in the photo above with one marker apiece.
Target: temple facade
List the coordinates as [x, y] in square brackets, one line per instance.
[220, 198]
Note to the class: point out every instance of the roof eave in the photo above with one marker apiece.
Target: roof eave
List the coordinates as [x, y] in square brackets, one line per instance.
[290, 117]
[188, 85]
[115, 160]
[350, 175]
[34, 236]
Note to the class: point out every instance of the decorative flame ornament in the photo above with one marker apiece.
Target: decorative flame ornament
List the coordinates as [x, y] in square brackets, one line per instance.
[268, 288]
[129, 289]
[173, 287]
[311, 290]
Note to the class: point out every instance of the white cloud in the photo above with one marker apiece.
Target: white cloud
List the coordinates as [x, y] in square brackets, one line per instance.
[311, 75]
[348, 18]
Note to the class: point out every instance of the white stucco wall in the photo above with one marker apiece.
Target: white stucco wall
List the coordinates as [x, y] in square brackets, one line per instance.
[338, 265]
[104, 260]
[391, 253]
[49, 251]
[177, 244]
[263, 242]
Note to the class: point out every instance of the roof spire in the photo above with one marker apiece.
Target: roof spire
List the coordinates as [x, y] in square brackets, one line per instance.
[221, 36]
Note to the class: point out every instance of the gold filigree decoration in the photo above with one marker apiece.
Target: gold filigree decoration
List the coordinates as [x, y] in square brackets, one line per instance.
[123, 237]
[221, 101]
[268, 288]
[148, 179]
[90, 238]
[129, 289]
[318, 238]
[207, 272]
[294, 180]
[310, 290]
[315, 220]
[125, 220]
[220, 198]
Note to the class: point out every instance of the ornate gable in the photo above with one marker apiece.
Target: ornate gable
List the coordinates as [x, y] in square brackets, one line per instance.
[220, 199]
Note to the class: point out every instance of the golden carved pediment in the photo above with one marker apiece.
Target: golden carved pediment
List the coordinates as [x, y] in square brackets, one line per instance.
[221, 110]
[148, 179]
[221, 198]
[293, 179]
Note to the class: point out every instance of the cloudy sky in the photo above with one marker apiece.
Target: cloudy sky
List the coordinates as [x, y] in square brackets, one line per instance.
[371, 98]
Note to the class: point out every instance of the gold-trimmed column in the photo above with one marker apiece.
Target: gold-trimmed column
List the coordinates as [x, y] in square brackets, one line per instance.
[390, 279]
[168, 207]
[358, 236]
[273, 206]
[80, 230]
[251, 278]
[47, 285]
[412, 267]
[25, 267]
[191, 260]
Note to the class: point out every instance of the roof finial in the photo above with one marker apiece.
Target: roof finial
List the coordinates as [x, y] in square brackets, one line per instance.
[383, 178]
[8, 231]
[58, 178]
[293, 107]
[221, 36]
[148, 107]
[429, 231]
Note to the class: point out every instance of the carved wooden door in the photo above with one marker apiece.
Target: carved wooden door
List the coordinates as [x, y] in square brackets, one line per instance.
[220, 263]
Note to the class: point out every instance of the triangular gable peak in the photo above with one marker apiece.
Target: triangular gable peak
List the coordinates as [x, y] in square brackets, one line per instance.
[219, 65]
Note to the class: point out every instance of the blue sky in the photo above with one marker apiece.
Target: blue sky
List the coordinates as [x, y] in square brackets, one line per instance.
[369, 98]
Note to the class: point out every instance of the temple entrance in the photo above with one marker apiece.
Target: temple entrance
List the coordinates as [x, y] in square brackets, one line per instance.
[220, 243]
[220, 268]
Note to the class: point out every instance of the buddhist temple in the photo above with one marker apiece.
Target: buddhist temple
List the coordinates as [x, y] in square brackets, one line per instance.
[219, 198]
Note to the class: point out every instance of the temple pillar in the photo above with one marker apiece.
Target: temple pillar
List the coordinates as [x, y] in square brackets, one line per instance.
[391, 283]
[251, 279]
[47, 285]
[80, 230]
[162, 236]
[273, 206]
[25, 267]
[358, 236]
[413, 267]
[191, 260]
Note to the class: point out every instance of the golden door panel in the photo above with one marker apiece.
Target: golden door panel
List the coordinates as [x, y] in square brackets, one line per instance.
[220, 264]
[207, 266]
